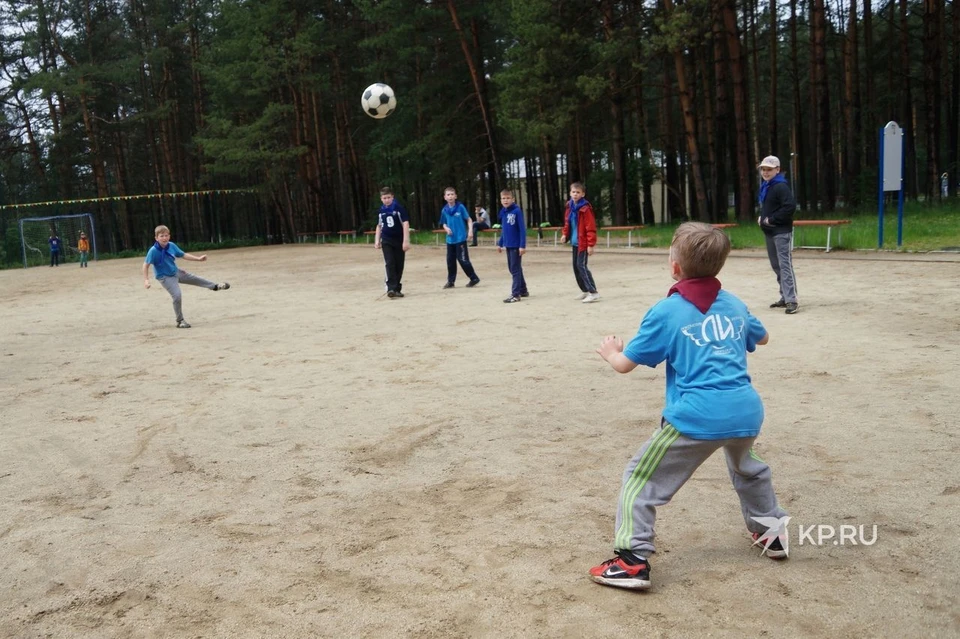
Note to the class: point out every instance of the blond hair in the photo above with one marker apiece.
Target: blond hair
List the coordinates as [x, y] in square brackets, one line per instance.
[161, 229]
[699, 249]
[449, 189]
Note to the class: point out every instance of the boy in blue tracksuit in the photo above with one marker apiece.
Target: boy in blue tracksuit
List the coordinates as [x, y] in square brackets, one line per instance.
[703, 334]
[513, 237]
[459, 227]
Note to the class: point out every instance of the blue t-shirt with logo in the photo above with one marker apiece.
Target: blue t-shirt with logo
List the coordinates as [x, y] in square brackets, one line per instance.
[163, 259]
[709, 394]
[455, 218]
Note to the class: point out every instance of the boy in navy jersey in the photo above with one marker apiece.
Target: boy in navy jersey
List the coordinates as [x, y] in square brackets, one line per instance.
[703, 334]
[513, 238]
[393, 235]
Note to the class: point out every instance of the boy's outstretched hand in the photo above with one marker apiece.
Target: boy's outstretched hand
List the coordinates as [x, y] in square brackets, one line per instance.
[611, 349]
[610, 346]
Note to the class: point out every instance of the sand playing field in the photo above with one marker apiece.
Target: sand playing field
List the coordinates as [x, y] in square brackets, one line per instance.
[311, 461]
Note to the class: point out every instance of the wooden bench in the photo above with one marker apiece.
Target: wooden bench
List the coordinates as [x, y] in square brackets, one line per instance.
[556, 233]
[351, 234]
[827, 223]
[367, 234]
[628, 229]
[726, 225]
[321, 236]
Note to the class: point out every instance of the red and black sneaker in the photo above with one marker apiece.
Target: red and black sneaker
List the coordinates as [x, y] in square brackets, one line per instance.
[774, 549]
[623, 571]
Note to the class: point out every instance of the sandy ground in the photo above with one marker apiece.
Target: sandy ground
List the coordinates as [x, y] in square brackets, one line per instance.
[311, 461]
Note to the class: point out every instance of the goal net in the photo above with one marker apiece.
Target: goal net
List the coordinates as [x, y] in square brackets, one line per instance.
[35, 234]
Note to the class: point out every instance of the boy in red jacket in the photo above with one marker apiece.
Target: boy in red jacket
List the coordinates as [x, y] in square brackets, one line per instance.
[580, 226]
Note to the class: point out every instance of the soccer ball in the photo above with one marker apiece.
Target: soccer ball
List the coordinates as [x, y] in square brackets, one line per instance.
[378, 100]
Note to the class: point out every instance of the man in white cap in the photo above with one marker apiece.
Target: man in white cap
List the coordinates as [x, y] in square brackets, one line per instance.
[776, 221]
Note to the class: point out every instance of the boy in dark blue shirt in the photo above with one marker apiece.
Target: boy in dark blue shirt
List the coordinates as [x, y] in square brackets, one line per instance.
[513, 238]
[393, 235]
[703, 334]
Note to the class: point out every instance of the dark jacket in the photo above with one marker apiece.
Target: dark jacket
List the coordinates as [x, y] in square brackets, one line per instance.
[778, 206]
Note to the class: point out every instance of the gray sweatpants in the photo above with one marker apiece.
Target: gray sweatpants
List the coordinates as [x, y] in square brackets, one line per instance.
[781, 261]
[665, 463]
[172, 284]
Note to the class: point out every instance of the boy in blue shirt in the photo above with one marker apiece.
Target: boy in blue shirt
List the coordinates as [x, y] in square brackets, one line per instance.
[459, 227]
[703, 334]
[163, 256]
[513, 237]
[393, 236]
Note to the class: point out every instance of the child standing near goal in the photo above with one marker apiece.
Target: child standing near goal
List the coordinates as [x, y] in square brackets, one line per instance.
[162, 255]
[513, 238]
[459, 227]
[83, 247]
[580, 227]
[703, 334]
[54, 243]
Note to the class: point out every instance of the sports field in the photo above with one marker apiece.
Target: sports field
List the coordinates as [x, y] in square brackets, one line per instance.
[312, 460]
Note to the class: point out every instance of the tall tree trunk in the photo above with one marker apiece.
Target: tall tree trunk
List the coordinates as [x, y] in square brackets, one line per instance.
[799, 160]
[478, 86]
[745, 208]
[851, 116]
[689, 125]
[953, 99]
[906, 115]
[869, 105]
[932, 60]
[774, 103]
[821, 105]
[618, 152]
[647, 170]
[722, 113]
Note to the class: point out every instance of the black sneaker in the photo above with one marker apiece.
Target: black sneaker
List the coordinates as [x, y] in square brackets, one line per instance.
[472, 283]
[525, 294]
[448, 285]
[397, 294]
[391, 293]
[774, 551]
[511, 300]
[222, 287]
[778, 304]
[183, 324]
[623, 571]
[792, 307]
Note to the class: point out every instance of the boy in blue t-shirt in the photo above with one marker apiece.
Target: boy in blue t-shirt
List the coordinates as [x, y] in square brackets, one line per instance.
[513, 238]
[459, 227]
[703, 334]
[162, 255]
[393, 236]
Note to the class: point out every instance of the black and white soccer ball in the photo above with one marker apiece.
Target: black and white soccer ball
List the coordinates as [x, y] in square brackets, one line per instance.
[378, 100]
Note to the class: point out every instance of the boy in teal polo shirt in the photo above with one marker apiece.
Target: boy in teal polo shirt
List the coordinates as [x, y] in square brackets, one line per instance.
[459, 227]
[703, 335]
[163, 256]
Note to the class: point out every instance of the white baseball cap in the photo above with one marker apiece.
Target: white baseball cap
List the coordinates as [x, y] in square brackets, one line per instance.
[771, 161]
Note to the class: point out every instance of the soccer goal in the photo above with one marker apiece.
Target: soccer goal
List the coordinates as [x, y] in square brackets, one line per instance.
[36, 231]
